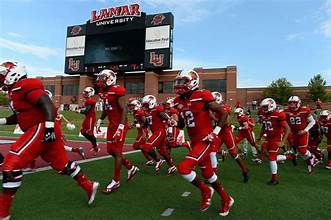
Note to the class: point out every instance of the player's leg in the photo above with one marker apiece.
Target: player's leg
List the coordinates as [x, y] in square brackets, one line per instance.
[209, 174]
[301, 141]
[233, 150]
[137, 146]
[251, 139]
[163, 152]
[78, 150]
[186, 167]
[88, 133]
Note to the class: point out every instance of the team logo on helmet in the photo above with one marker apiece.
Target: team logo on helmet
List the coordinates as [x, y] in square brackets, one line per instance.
[157, 19]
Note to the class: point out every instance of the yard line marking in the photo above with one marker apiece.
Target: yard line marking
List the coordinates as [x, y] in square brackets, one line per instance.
[7, 141]
[79, 162]
[186, 194]
[167, 212]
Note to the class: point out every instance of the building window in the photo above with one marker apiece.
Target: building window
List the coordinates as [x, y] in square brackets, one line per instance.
[218, 85]
[50, 88]
[166, 87]
[134, 87]
[70, 90]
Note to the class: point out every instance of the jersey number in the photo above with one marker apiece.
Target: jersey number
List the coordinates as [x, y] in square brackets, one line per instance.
[267, 126]
[149, 120]
[189, 119]
[107, 106]
[295, 120]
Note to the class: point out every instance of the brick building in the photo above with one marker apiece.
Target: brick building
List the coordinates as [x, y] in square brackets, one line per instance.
[68, 89]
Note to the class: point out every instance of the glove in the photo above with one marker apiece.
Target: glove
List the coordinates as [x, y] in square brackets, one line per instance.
[49, 135]
[211, 136]
[118, 136]
[98, 125]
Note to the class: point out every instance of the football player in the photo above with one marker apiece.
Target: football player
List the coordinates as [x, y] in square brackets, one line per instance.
[300, 121]
[315, 138]
[273, 123]
[87, 129]
[325, 122]
[35, 113]
[194, 106]
[226, 136]
[155, 117]
[175, 138]
[246, 126]
[135, 107]
[114, 106]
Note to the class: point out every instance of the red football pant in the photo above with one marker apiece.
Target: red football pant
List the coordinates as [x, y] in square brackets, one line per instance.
[226, 137]
[246, 134]
[88, 126]
[300, 142]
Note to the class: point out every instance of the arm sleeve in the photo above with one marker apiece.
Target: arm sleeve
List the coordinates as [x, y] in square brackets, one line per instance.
[32, 91]
[207, 96]
[120, 91]
[282, 119]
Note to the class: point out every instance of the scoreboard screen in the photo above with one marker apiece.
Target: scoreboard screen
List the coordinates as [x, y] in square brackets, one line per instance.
[115, 48]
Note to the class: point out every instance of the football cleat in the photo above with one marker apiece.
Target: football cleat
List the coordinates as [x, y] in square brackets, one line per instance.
[257, 161]
[149, 163]
[171, 170]
[158, 165]
[328, 165]
[206, 199]
[95, 150]
[81, 152]
[92, 192]
[111, 187]
[245, 176]
[226, 207]
[273, 182]
[131, 173]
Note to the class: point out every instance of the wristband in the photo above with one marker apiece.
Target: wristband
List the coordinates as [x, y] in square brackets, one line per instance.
[137, 125]
[49, 124]
[3, 121]
[121, 126]
[217, 130]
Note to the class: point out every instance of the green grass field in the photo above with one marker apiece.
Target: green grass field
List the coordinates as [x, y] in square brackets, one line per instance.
[46, 195]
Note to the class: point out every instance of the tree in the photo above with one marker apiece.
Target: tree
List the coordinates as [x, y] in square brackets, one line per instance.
[317, 88]
[280, 90]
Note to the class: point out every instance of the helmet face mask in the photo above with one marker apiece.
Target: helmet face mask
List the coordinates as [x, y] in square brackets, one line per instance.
[14, 75]
[324, 116]
[218, 97]
[239, 111]
[106, 78]
[88, 92]
[134, 105]
[294, 103]
[148, 102]
[169, 103]
[186, 82]
[268, 105]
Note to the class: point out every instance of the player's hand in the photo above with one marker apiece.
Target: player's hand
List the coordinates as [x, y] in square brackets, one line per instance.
[280, 143]
[301, 132]
[172, 122]
[98, 125]
[210, 137]
[49, 135]
[119, 134]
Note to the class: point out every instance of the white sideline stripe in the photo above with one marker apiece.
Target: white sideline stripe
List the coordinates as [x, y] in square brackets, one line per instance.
[186, 194]
[79, 162]
[167, 212]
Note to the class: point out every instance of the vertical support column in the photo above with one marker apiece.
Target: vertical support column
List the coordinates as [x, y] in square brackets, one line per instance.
[231, 85]
[151, 84]
[58, 91]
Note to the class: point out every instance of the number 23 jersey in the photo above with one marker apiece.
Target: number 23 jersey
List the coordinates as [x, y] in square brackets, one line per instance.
[195, 114]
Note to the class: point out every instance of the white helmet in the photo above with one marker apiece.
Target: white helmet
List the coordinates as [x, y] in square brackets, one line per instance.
[186, 81]
[105, 78]
[88, 92]
[15, 74]
[218, 97]
[49, 93]
[149, 101]
[325, 115]
[294, 103]
[268, 105]
[134, 105]
[71, 126]
[169, 103]
[239, 111]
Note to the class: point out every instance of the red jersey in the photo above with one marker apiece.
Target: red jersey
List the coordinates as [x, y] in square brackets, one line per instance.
[297, 120]
[154, 121]
[273, 123]
[245, 118]
[91, 112]
[225, 109]
[24, 96]
[326, 129]
[110, 104]
[196, 116]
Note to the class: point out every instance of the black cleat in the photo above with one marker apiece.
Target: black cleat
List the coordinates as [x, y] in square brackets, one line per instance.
[273, 182]
[246, 177]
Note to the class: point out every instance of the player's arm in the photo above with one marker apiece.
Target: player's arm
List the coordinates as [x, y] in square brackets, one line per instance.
[311, 123]
[84, 110]
[11, 120]
[287, 132]
[46, 104]
[225, 116]
[245, 126]
[100, 120]
[119, 134]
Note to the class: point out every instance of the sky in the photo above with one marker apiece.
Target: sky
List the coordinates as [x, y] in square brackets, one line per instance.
[265, 39]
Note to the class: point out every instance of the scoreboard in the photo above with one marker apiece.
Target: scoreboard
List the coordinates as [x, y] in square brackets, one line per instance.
[122, 39]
